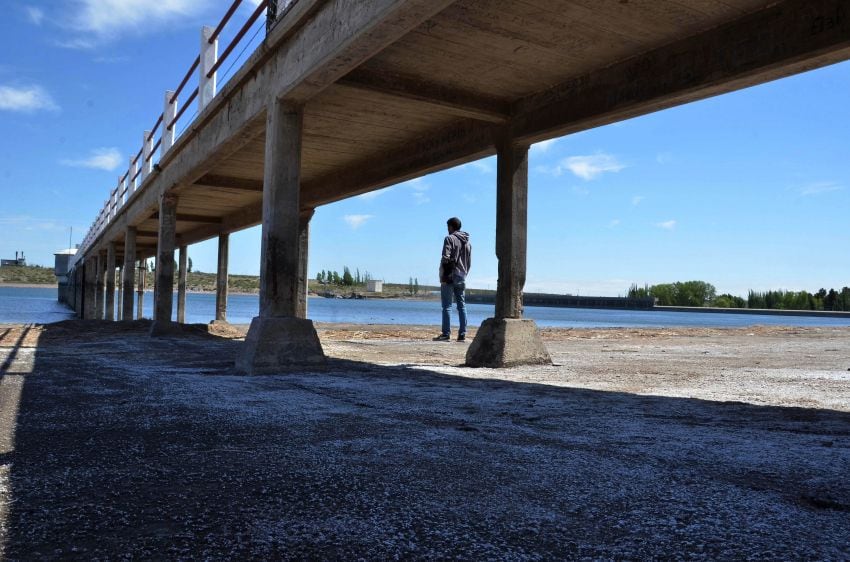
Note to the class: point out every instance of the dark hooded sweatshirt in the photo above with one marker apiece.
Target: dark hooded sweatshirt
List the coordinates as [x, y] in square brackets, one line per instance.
[457, 257]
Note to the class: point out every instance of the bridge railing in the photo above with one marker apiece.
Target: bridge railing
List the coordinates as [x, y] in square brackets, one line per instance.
[206, 67]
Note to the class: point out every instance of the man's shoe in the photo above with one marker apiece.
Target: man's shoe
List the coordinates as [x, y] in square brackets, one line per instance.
[461, 337]
[442, 337]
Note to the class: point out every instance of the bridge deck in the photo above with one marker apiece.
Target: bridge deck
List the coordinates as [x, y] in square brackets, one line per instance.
[396, 89]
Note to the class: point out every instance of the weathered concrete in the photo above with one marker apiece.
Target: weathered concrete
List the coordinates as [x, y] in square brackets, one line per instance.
[119, 312]
[221, 278]
[100, 286]
[141, 283]
[278, 345]
[511, 227]
[90, 289]
[181, 285]
[129, 273]
[277, 338]
[507, 342]
[163, 297]
[110, 282]
[304, 250]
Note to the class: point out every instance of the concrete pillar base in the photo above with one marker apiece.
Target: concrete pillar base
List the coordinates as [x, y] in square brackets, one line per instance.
[278, 344]
[507, 342]
[219, 323]
[161, 328]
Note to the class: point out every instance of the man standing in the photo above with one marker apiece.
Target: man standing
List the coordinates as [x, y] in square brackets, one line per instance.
[454, 266]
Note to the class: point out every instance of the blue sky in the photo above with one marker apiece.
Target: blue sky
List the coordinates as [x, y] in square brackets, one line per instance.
[747, 190]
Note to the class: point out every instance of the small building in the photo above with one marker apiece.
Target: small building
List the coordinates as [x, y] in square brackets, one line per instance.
[17, 262]
[373, 286]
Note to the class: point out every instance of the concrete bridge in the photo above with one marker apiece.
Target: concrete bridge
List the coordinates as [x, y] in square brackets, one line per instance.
[347, 96]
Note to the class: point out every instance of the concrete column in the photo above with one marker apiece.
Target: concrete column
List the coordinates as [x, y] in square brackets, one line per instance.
[142, 274]
[90, 289]
[78, 290]
[221, 278]
[511, 228]
[508, 340]
[110, 281]
[129, 273]
[303, 253]
[181, 285]
[119, 313]
[164, 294]
[100, 286]
[278, 340]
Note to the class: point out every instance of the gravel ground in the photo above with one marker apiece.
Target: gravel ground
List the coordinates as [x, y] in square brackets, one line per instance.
[674, 444]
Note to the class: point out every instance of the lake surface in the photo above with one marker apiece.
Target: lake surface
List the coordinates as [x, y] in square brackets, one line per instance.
[23, 305]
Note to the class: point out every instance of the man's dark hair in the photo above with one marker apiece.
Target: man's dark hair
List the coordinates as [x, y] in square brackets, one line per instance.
[454, 222]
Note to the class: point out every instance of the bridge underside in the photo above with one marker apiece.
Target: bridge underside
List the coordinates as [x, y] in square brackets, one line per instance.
[393, 89]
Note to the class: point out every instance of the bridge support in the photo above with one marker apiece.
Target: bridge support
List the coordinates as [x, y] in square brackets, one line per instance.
[142, 273]
[508, 339]
[100, 286]
[181, 284]
[164, 293]
[221, 277]
[279, 339]
[78, 289]
[90, 289]
[303, 248]
[129, 273]
[110, 281]
[119, 313]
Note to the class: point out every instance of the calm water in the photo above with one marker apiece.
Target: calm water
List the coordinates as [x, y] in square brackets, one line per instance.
[39, 305]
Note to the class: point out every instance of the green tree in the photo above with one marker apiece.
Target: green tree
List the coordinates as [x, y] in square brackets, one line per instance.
[416, 286]
[347, 279]
[189, 265]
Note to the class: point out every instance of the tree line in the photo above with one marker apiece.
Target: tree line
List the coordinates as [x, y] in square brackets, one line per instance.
[328, 277]
[701, 293]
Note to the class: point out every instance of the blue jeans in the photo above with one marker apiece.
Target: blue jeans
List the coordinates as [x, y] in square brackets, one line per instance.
[446, 292]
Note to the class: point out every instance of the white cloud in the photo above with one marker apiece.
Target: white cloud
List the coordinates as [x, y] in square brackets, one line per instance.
[26, 99]
[819, 188]
[420, 198]
[101, 159]
[637, 199]
[590, 167]
[543, 146]
[105, 19]
[666, 225]
[356, 221]
[613, 223]
[417, 184]
[35, 15]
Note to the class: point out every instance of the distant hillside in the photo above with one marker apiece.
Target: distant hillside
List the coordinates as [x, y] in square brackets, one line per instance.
[28, 274]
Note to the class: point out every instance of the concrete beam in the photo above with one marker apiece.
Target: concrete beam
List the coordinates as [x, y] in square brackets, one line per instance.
[461, 104]
[119, 313]
[784, 39]
[511, 227]
[226, 182]
[340, 37]
[191, 218]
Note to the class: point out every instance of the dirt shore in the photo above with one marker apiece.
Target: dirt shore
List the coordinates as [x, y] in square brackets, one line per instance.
[637, 443]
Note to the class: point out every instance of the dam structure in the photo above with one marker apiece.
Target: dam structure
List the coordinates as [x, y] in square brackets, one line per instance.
[344, 97]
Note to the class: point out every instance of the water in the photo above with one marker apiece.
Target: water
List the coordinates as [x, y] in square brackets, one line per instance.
[21, 305]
